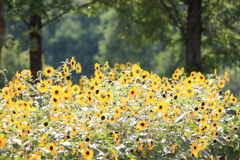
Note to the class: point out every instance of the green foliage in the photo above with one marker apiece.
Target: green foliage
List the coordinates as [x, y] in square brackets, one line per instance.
[160, 20]
[114, 49]
[13, 59]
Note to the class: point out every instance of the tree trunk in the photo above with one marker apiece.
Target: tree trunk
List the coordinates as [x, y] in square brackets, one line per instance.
[35, 44]
[193, 41]
[2, 29]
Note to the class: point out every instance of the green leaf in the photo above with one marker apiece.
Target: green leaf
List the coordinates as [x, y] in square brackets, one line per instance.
[18, 158]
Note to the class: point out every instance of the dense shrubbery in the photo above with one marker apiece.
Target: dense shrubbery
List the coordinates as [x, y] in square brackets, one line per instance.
[122, 113]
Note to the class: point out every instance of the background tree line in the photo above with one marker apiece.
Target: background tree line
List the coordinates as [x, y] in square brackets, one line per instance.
[162, 35]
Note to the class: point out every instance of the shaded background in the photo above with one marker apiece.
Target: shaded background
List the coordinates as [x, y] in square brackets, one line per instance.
[96, 39]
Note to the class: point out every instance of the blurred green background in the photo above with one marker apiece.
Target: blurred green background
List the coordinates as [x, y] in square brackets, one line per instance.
[98, 38]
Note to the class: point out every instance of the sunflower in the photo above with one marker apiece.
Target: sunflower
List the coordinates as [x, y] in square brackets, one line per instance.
[150, 145]
[195, 149]
[136, 70]
[188, 82]
[79, 68]
[87, 154]
[162, 107]
[200, 78]
[97, 67]
[174, 148]
[175, 76]
[122, 66]
[106, 66]
[233, 99]
[57, 91]
[42, 86]
[68, 119]
[75, 89]
[65, 70]
[227, 76]
[116, 66]
[221, 83]
[142, 125]
[48, 71]
[128, 64]
[111, 75]
[214, 124]
[117, 111]
[99, 77]
[51, 147]
[132, 93]
[220, 109]
[193, 74]
[2, 141]
[190, 92]
[55, 101]
[73, 63]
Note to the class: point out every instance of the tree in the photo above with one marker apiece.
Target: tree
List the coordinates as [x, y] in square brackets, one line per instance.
[2, 28]
[36, 15]
[75, 35]
[208, 29]
[116, 50]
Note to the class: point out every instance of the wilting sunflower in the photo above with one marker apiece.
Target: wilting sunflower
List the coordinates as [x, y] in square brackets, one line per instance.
[48, 71]
[87, 154]
[51, 147]
[2, 141]
[142, 125]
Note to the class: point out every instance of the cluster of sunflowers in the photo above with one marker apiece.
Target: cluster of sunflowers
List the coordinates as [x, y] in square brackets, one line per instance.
[122, 112]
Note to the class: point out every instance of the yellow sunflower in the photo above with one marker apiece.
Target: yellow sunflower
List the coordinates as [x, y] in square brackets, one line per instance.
[195, 149]
[175, 76]
[106, 66]
[2, 141]
[87, 154]
[55, 101]
[136, 70]
[73, 63]
[162, 107]
[48, 71]
[68, 119]
[51, 147]
[65, 70]
[233, 99]
[79, 68]
[142, 125]
[221, 83]
[43, 86]
[132, 93]
[188, 82]
[97, 67]
[227, 76]
[56, 91]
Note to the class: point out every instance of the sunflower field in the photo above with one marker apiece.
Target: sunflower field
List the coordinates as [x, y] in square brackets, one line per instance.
[121, 113]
